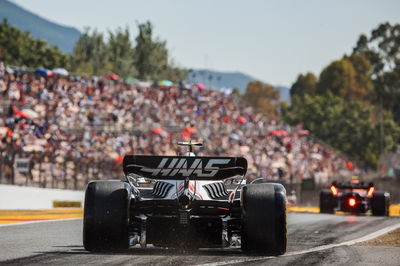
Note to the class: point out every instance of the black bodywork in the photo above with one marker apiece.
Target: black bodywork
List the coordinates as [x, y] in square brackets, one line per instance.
[185, 221]
[200, 224]
[354, 197]
[120, 214]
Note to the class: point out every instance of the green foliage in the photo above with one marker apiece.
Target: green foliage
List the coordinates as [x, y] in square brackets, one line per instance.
[94, 54]
[345, 125]
[174, 74]
[342, 78]
[236, 94]
[151, 56]
[148, 60]
[90, 54]
[121, 53]
[305, 84]
[349, 78]
[345, 107]
[382, 49]
[21, 49]
[263, 97]
[363, 70]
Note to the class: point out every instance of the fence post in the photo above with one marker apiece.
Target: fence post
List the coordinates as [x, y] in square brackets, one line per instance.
[41, 183]
[1, 166]
[75, 175]
[65, 173]
[12, 167]
[52, 169]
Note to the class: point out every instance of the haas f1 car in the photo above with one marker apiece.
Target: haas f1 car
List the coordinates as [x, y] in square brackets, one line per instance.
[354, 197]
[188, 206]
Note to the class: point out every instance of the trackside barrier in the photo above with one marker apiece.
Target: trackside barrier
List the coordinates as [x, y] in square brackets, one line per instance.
[67, 204]
[32, 198]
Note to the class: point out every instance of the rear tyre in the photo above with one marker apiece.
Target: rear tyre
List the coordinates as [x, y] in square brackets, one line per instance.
[380, 203]
[106, 216]
[264, 219]
[326, 201]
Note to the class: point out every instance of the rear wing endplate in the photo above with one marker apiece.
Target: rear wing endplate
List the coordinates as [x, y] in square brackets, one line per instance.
[182, 167]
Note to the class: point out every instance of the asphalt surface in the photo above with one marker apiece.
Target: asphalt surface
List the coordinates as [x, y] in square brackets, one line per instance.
[60, 243]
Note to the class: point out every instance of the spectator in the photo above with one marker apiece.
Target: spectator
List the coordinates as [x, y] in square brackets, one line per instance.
[96, 121]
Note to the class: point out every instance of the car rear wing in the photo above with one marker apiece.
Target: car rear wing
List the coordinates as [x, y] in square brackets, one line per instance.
[182, 167]
[360, 185]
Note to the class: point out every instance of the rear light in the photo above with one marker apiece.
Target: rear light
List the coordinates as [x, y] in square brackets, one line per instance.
[352, 202]
[371, 191]
[334, 190]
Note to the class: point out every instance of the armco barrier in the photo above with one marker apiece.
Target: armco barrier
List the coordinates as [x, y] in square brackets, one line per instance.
[32, 198]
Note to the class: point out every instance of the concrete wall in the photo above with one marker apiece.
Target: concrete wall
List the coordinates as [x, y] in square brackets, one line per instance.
[32, 198]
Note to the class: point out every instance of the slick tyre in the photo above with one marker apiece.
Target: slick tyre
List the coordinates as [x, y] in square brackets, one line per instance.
[106, 216]
[380, 203]
[264, 219]
[326, 201]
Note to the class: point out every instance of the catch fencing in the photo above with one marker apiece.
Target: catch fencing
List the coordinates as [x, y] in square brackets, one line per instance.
[49, 170]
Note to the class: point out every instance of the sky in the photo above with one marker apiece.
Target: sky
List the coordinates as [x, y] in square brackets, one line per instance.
[273, 41]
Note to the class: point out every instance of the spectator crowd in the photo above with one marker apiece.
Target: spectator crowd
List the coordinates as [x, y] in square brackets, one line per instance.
[74, 129]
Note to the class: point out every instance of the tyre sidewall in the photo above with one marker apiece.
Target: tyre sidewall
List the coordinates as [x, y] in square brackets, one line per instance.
[264, 219]
[106, 216]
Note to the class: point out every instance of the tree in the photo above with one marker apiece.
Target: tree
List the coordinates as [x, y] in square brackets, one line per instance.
[121, 53]
[21, 49]
[151, 56]
[343, 112]
[90, 55]
[348, 126]
[148, 60]
[262, 97]
[382, 49]
[174, 73]
[305, 84]
[341, 79]
[363, 70]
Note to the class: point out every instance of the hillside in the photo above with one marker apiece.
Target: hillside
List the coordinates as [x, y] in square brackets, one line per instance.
[216, 79]
[62, 36]
[65, 37]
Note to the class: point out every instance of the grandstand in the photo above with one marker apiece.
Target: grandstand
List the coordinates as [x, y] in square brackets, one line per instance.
[74, 129]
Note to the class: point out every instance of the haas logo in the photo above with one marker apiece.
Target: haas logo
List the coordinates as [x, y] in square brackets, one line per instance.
[180, 166]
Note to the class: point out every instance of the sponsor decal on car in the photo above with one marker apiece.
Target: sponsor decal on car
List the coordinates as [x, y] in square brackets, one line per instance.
[180, 166]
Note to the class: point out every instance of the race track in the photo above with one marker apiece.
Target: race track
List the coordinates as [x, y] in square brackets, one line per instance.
[309, 239]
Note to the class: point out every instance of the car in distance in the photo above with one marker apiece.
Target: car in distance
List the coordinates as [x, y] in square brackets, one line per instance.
[188, 206]
[354, 197]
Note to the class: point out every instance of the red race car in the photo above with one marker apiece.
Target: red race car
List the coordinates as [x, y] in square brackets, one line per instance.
[354, 197]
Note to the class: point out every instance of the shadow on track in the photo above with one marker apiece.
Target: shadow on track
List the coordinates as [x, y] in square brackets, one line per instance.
[150, 251]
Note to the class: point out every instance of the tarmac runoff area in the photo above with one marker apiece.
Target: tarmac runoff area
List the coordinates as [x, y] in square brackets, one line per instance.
[394, 209]
[37, 237]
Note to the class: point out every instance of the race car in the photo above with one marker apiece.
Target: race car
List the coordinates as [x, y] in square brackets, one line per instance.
[354, 197]
[188, 206]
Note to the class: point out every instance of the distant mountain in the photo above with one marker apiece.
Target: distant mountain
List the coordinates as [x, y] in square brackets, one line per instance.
[216, 79]
[62, 36]
[65, 38]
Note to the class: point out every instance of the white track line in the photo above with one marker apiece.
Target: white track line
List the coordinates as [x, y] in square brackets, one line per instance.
[40, 221]
[324, 247]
